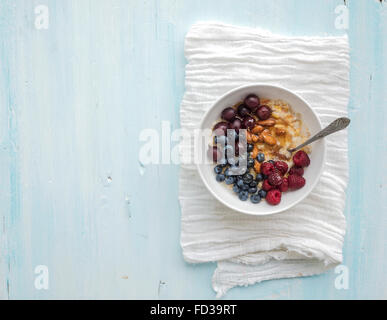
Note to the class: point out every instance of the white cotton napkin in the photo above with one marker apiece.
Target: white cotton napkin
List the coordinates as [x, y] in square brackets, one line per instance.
[306, 239]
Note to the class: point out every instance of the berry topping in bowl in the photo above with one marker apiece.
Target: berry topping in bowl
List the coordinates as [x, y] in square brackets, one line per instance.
[228, 114]
[243, 110]
[282, 166]
[274, 197]
[301, 159]
[257, 136]
[296, 181]
[275, 178]
[296, 170]
[264, 112]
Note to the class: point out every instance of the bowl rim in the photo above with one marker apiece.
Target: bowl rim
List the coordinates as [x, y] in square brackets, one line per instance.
[275, 210]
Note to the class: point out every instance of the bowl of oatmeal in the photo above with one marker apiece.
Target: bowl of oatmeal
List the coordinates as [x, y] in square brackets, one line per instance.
[247, 164]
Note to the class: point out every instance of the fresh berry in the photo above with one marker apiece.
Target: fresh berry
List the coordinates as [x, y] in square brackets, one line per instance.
[236, 125]
[220, 129]
[247, 178]
[275, 178]
[272, 161]
[261, 157]
[253, 190]
[284, 186]
[296, 181]
[296, 170]
[273, 197]
[262, 193]
[229, 180]
[267, 168]
[243, 195]
[220, 177]
[245, 187]
[266, 185]
[236, 189]
[281, 166]
[227, 172]
[252, 101]
[253, 184]
[228, 114]
[250, 147]
[259, 177]
[255, 198]
[249, 122]
[243, 110]
[250, 163]
[218, 169]
[240, 183]
[301, 159]
[264, 112]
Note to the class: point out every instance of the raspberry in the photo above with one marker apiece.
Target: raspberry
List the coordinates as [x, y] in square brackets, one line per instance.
[296, 181]
[273, 197]
[297, 170]
[266, 185]
[284, 186]
[281, 166]
[301, 159]
[275, 178]
[267, 168]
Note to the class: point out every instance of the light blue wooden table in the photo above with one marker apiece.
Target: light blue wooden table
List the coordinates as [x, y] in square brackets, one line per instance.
[73, 99]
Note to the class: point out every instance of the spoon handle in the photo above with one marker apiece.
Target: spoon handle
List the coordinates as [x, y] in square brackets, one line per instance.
[337, 125]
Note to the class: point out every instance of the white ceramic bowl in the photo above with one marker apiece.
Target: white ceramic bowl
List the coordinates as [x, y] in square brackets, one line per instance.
[312, 174]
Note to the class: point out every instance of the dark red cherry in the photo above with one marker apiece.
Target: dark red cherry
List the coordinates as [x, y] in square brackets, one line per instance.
[243, 110]
[264, 112]
[236, 125]
[252, 101]
[220, 129]
[228, 114]
[249, 122]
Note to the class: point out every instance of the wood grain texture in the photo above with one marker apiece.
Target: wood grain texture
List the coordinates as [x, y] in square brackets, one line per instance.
[73, 100]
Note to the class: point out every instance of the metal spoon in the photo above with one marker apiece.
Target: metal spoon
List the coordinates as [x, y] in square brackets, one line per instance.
[337, 125]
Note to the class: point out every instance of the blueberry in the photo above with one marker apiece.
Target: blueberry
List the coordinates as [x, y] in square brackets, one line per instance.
[245, 187]
[259, 178]
[250, 163]
[262, 193]
[255, 198]
[261, 157]
[250, 147]
[227, 172]
[243, 195]
[247, 178]
[253, 190]
[220, 177]
[218, 169]
[229, 180]
[272, 161]
[253, 184]
[240, 183]
[236, 189]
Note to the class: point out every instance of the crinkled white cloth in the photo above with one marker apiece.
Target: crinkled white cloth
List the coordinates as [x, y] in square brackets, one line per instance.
[306, 239]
